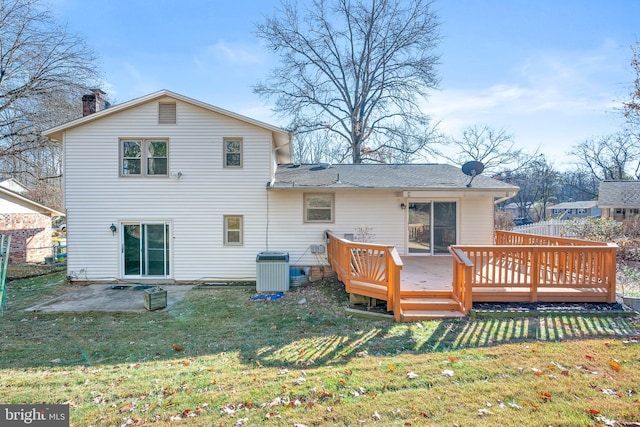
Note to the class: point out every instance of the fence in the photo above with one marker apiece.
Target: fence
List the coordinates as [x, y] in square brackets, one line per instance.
[26, 251]
[5, 245]
[552, 227]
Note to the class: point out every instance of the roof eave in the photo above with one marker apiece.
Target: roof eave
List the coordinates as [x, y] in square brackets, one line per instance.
[35, 205]
[58, 131]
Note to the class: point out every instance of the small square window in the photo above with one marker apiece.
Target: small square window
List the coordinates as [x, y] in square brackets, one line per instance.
[233, 230]
[232, 152]
[318, 207]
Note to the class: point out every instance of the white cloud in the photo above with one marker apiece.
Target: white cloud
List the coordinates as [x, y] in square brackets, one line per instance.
[234, 53]
[550, 99]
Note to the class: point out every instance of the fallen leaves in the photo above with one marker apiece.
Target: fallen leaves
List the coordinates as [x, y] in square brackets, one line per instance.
[177, 347]
[546, 396]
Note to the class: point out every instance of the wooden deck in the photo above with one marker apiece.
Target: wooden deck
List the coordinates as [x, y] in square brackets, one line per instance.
[519, 268]
[427, 273]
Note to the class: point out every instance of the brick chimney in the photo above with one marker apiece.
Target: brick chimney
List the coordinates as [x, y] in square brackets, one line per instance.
[94, 102]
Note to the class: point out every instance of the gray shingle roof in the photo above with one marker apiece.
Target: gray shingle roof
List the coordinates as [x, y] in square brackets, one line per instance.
[576, 205]
[395, 176]
[619, 194]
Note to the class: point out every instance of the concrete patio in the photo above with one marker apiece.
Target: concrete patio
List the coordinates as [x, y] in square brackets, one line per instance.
[109, 297]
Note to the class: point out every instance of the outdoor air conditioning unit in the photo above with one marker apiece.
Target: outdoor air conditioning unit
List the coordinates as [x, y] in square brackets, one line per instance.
[272, 272]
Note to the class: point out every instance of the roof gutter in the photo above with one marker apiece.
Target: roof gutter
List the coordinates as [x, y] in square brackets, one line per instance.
[505, 198]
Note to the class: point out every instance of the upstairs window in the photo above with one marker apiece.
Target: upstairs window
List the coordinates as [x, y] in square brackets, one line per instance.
[232, 152]
[318, 207]
[144, 157]
[167, 113]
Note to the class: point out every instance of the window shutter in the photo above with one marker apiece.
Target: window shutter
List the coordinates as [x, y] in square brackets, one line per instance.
[167, 113]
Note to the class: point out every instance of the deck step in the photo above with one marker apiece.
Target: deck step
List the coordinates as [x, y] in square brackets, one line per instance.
[425, 294]
[415, 315]
[428, 304]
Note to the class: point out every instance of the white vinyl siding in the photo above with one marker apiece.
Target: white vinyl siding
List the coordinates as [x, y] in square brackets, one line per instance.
[96, 197]
[476, 221]
[288, 231]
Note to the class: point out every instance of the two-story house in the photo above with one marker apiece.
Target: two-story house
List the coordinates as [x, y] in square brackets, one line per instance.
[168, 188]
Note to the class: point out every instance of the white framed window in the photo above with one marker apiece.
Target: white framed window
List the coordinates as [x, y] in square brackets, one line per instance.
[232, 152]
[233, 230]
[318, 207]
[144, 157]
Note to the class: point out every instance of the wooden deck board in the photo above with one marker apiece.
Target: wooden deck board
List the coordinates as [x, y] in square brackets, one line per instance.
[427, 273]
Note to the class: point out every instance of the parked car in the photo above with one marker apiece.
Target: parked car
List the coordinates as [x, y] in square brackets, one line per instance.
[522, 221]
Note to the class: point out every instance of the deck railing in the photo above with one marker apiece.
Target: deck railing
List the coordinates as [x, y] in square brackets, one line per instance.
[367, 269]
[462, 279]
[514, 238]
[562, 268]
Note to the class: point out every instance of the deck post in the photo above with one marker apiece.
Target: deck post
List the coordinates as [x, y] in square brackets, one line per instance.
[612, 263]
[535, 274]
[468, 288]
[394, 264]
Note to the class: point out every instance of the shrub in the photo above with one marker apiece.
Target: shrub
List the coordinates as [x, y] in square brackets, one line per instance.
[631, 227]
[503, 220]
[597, 229]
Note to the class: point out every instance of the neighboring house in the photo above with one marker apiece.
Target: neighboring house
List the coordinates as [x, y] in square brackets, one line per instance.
[619, 200]
[168, 188]
[514, 209]
[571, 210]
[29, 224]
[13, 185]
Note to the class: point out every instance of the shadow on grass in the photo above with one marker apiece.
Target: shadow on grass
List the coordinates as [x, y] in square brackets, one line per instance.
[308, 327]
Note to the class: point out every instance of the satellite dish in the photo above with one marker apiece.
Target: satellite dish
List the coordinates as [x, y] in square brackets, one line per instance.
[472, 169]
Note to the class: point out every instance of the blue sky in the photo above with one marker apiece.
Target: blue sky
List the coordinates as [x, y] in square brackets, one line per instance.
[551, 72]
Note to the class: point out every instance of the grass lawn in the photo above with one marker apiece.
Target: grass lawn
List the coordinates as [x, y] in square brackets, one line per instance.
[220, 359]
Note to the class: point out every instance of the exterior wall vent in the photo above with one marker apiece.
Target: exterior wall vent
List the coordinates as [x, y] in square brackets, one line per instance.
[167, 113]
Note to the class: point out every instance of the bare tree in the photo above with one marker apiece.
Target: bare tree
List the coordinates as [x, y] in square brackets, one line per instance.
[539, 186]
[357, 68]
[42, 67]
[578, 184]
[611, 157]
[632, 106]
[315, 147]
[495, 148]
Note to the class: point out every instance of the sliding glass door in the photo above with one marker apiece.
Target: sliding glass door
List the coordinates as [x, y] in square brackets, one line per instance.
[432, 227]
[145, 249]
